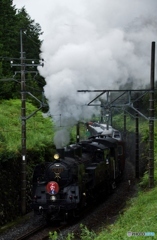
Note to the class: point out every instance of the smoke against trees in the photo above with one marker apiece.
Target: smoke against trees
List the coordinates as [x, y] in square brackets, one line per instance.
[95, 45]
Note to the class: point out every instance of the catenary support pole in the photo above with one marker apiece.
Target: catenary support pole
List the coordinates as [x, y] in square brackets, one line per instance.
[23, 66]
[151, 118]
[124, 126]
[23, 130]
[137, 146]
[78, 132]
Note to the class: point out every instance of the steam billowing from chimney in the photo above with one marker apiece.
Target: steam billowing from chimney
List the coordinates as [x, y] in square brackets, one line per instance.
[61, 138]
[93, 45]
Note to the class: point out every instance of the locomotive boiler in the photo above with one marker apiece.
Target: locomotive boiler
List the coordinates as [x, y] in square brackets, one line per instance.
[77, 174]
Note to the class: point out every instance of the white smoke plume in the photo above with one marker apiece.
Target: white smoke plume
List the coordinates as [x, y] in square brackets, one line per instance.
[91, 45]
[61, 138]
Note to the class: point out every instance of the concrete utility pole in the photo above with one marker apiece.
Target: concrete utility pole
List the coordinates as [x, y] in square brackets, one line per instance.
[137, 146]
[151, 118]
[23, 124]
[23, 130]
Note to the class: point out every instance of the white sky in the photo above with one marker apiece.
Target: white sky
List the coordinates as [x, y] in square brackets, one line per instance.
[37, 9]
[92, 44]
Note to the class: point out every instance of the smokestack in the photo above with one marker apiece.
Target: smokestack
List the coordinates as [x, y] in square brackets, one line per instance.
[60, 151]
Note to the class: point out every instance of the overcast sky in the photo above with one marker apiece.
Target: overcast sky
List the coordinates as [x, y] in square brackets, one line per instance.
[37, 9]
[92, 44]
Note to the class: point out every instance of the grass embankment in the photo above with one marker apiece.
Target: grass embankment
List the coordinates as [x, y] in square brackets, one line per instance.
[39, 129]
[140, 216]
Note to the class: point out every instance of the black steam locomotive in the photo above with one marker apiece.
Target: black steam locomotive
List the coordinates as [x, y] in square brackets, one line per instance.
[78, 174]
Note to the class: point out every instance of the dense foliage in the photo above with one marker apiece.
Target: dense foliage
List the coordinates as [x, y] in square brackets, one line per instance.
[12, 21]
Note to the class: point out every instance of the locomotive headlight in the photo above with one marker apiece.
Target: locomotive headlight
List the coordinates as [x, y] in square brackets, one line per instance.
[56, 156]
[53, 198]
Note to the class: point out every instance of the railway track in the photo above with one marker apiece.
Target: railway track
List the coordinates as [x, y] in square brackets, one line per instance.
[40, 233]
[31, 233]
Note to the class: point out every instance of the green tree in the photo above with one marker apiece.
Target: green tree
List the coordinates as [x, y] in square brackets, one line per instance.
[12, 20]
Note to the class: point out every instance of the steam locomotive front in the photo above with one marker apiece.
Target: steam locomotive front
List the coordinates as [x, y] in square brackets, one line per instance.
[55, 185]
